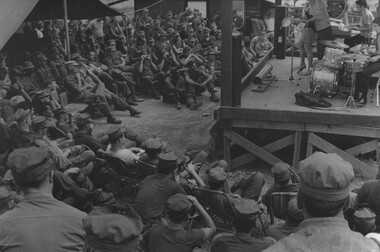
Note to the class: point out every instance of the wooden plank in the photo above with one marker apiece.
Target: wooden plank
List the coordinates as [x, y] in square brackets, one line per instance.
[272, 147]
[309, 146]
[363, 148]
[227, 149]
[268, 125]
[344, 130]
[226, 53]
[254, 71]
[297, 148]
[251, 147]
[307, 117]
[358, 165]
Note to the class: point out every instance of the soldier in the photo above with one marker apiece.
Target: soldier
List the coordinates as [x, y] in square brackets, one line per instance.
[32, 171]
[153, 147]
[113, 228]
[244, 221]
[323, 195]
[175, 234]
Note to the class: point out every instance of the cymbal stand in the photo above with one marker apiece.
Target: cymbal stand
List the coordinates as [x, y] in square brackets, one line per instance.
[350, 100]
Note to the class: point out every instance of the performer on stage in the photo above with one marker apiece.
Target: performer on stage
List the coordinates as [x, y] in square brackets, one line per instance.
[364, 77]
[321, 19]
[309, 36]
[365, 27]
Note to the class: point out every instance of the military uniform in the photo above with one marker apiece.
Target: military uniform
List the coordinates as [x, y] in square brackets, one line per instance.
[59, 226]
[165, 237]
[325, 177]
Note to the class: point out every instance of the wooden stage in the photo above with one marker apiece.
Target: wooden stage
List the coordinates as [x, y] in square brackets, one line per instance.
[275, 109]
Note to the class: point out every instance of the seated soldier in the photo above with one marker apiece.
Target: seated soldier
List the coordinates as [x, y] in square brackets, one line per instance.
[367, 194]
[294, 217]
[63, 159]
[119, 149]
[64, 122]
[175, 235]
[193, 77]
[29, 80]
[282, 182]
[249, 188]
[44, 72]
[21, 133]
[260, 45]
[323, 195]
[112, 228]
[244, 222]
[156, 189]
[91, 82]
[32, 170]
[80, 92]
[153, 147]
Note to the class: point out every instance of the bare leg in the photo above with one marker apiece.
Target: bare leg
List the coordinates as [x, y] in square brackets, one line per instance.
[309, 54]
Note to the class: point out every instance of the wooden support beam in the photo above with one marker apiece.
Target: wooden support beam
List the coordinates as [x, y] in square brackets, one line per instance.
[226, 53]
[344, 130]
[268, 125]
[303, 116]
[272, 147]
[227, 150]
[363, 148]
[309, 146]
[358, 165]
[297, 148]
[251, 147]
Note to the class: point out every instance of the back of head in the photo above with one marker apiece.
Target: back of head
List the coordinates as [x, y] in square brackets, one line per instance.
[177, 208]
[112, 228]
[281, 173]
[324, 184]
[246, 211]
[30, 166]
[167, 162]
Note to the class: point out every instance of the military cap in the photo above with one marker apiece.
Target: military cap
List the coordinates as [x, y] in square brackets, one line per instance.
[245, 208]
[115, 132]
[29, 165]
[281, 172]
[169, 25]
[41, 57]
[28, 65]
[293, 211]
[364, 218]
[163, 34]
[8, 176]
[20, 114]
[59, 111]
[217, 175]
[325, 177]
[5, 194]
[153, 143]
[41, 94]
[41, 122]
[83, 118]
[206, 30]
[178, 204]
[168, 160]
[71, 63]
[175, 34]
[113, 228]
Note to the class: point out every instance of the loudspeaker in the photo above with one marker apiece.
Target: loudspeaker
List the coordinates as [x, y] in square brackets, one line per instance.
[279, 32]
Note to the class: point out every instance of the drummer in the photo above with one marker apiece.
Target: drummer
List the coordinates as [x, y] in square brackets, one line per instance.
[309, 37]
[364, 77]
[365, 26]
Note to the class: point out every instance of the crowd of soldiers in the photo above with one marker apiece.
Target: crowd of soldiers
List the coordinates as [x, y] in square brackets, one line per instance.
[52, 193]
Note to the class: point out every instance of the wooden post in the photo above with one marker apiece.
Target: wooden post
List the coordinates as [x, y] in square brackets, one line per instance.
[236, 69]
[226, 56]
[66, 29]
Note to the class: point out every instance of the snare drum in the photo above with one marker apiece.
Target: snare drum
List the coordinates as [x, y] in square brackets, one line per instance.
[333, 58]
[324, 80]
[355, 66]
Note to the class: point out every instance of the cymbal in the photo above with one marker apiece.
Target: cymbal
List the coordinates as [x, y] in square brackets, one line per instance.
[333, 44]
[356, 56]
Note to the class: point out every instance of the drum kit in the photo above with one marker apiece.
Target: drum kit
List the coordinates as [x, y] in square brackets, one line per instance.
[337, 71]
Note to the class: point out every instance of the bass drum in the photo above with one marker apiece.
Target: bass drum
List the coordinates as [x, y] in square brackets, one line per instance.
[324, 80]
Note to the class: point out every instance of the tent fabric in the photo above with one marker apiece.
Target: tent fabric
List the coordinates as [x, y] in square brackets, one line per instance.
[76, 9]
[12, 14]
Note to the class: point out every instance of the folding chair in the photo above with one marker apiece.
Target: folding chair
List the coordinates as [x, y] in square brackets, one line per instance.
[145, 169]
[279, 203]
